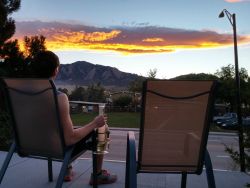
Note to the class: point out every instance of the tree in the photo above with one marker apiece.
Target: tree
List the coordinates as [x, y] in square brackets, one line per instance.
[78, 94]
[227, 90]
[199, 76]
[8, 49]
[95, 93]
[7, 24]
[13, 64]
[16, 63]
[152, 73]
[123, 101]
[33, 45]
[247, 96]
[136, 85]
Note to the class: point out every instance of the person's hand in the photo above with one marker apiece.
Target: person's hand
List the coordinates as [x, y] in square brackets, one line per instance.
[100, 120]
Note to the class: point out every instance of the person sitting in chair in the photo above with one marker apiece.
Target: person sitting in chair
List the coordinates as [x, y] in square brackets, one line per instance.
[46, 65]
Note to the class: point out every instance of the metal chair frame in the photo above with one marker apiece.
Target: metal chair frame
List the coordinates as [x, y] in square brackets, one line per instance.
[67, 156]
[133, 166]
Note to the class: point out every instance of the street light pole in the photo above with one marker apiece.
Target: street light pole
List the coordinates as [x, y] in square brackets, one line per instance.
[232, 19]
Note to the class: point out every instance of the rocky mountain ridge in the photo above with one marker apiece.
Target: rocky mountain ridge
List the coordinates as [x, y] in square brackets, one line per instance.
[83, 73]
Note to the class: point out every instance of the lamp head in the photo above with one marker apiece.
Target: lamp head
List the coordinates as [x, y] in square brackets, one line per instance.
[221, 15]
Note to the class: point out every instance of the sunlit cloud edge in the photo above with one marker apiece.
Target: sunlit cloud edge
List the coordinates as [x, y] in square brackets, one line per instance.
[126, 41]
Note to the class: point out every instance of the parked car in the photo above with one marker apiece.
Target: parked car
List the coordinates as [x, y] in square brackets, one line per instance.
[233, 123]
[229, 124]
[246, 121]
[228, 117]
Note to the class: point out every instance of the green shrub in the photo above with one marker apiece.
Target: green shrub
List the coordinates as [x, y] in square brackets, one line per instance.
[235, 155]
[5, 131]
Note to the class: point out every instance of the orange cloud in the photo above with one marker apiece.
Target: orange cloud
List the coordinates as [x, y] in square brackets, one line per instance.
[83, 36]
[126, 40]
[153, 40]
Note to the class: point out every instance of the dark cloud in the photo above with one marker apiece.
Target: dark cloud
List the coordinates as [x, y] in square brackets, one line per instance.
[139, 38]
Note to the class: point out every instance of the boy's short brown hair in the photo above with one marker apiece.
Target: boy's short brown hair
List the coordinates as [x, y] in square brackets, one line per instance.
[45, 64]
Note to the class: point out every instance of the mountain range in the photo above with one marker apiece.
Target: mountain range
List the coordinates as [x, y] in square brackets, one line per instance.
[83, 73]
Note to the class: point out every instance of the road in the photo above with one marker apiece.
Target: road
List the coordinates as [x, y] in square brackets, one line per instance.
[216, 147]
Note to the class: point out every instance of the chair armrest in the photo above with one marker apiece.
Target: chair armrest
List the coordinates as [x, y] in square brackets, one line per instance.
[130, 179]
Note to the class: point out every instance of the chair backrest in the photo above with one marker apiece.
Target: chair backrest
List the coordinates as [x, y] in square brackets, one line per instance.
[35, 118]
[174, 125]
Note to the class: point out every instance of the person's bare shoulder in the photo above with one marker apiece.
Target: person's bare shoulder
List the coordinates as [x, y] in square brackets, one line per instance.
[63, 100]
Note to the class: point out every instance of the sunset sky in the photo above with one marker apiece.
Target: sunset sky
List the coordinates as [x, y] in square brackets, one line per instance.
[175, 37]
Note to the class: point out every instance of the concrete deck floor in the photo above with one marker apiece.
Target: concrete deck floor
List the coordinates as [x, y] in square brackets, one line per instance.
[32, 173]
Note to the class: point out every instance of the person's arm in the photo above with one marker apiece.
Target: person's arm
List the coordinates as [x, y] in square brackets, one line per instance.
[72, 135]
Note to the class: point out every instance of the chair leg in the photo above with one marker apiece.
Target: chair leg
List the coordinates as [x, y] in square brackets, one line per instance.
[94, 158]
[183, 179]
[209, 171]
[50, 170]
[65, 163]
[7, 161]
[131, 178]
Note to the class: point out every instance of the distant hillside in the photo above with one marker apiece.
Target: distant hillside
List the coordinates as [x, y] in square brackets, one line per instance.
[198, 76]
[83, 73]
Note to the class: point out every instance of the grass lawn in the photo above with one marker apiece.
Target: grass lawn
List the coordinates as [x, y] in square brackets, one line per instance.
[124, 120]
[115, 119]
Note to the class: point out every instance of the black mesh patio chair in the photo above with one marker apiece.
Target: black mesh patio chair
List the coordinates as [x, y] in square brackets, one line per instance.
[38, 132]
[174, 128]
